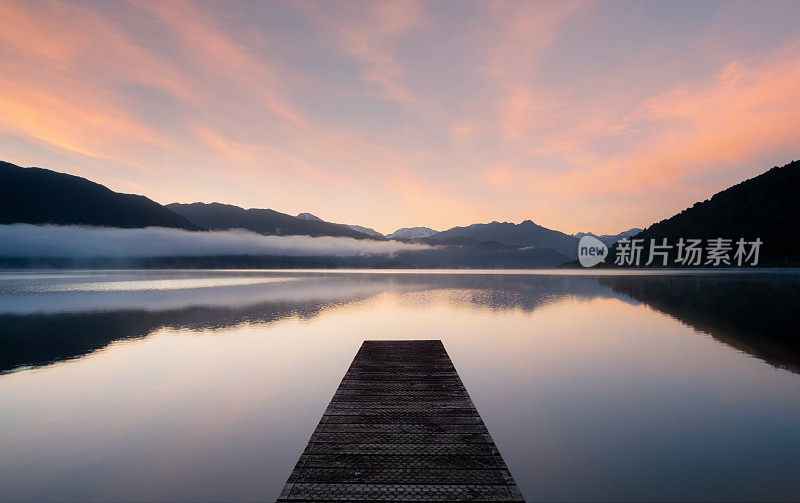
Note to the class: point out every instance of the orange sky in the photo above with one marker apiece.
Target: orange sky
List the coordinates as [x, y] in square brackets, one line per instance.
[580, 116]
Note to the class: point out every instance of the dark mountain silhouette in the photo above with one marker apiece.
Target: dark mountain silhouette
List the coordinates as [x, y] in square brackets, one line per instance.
[526, 233]
[41, 196]
[765, 207]
[217, 216]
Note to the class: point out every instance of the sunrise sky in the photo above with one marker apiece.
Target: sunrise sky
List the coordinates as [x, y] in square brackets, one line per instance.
[579, 116]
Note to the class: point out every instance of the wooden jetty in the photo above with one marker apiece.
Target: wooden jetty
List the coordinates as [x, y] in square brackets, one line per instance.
[401, 427]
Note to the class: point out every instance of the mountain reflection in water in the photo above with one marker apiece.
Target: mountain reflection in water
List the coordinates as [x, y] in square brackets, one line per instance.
[205, 385]
[756, 314]
[752, 312]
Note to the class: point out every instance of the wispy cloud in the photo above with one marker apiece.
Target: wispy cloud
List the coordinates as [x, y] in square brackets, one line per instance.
[368, 32]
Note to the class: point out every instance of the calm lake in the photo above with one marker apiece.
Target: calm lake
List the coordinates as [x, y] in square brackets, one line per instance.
[206, 385]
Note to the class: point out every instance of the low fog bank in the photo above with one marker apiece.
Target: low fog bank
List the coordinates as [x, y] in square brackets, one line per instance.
[27, 240]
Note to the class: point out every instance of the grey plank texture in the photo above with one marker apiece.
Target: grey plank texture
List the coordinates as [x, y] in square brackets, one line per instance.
[401, 427]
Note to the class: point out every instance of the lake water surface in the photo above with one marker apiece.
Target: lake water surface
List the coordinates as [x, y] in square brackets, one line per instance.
[206, 385]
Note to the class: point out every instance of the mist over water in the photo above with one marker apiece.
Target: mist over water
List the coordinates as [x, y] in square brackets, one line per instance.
[26, 240]
[206, 385]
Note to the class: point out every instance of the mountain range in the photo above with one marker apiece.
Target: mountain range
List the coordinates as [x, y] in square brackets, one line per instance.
[402, 233]
[764, 207]
[218, 216]
[526, 233]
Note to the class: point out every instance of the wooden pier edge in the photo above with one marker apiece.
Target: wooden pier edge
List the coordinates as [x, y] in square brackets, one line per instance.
[401, 427]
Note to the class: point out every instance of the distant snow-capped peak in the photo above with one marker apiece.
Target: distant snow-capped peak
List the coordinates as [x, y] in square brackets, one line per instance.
[309, 216]
[412, 233]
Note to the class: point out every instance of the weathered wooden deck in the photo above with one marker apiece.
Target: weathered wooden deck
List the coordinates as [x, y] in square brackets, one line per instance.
[401, 427]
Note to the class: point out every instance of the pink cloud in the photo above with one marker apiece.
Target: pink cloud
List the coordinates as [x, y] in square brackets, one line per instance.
[469, 123]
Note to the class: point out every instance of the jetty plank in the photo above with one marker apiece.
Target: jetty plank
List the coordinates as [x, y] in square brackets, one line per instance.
[401, 427]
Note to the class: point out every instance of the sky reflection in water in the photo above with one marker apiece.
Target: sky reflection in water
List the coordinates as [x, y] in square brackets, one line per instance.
[208, 387]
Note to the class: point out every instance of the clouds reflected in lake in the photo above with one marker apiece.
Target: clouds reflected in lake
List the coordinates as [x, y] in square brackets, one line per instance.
[207, 384]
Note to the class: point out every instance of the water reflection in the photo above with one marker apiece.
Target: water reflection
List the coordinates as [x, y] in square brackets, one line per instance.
[208, 390]
[54, 326]
[47, 318]
[756, 314]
